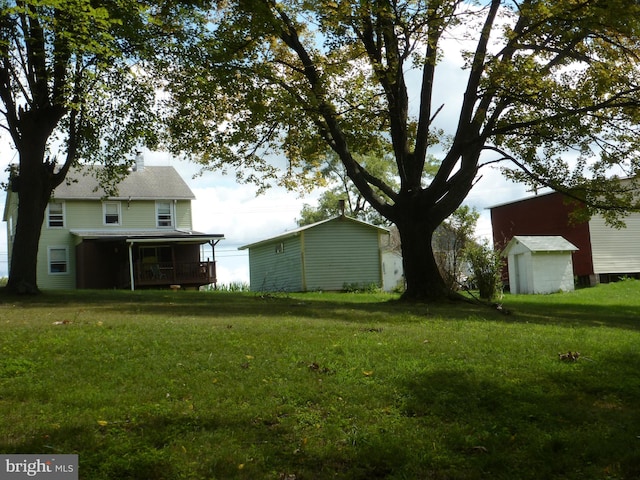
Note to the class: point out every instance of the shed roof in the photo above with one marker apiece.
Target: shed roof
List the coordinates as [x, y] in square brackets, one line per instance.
[541, 243]
[148, 183]
[297, 231]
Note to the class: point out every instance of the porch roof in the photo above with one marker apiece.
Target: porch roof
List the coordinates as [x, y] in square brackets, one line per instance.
[149, 236]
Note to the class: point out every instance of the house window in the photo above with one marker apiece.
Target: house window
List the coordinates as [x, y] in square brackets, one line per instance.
[164, 214]
[55, 215]
[58, 260]
[111, 212]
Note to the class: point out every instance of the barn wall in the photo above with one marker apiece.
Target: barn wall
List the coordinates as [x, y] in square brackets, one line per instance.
[339, 253]
[543, 215]
[616, 251]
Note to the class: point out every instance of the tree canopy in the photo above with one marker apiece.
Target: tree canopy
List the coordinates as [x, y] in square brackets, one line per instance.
[340, 188]
[552, 88]
[71, 89]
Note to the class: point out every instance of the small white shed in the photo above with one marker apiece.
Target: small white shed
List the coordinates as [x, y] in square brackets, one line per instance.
[539, 264]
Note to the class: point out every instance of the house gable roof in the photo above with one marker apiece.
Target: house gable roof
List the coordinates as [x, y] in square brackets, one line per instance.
[149, 183]
[541, 243]
[297, 231]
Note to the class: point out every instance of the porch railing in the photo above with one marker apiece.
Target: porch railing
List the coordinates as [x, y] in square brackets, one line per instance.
[179, 273]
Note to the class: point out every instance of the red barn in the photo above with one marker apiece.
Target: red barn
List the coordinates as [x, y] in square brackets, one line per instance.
[604, 253]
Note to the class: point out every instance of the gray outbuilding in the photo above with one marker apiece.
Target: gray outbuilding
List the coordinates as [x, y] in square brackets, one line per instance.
[329, 255]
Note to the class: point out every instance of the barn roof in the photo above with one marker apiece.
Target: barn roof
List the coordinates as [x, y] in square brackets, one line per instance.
[541, 243]
[525, 199]
[297, 231]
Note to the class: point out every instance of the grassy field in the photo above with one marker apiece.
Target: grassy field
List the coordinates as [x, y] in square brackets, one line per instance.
[191, 385]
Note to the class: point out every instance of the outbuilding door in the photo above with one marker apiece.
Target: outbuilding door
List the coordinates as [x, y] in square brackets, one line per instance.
[522, 277]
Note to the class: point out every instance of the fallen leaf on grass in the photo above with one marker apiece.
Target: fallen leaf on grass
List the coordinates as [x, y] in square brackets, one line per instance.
[315, 367]
[287, 476]
[367, 373]
[479, 449]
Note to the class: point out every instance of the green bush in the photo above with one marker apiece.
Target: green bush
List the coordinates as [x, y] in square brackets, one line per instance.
[360, 287]
[229, 287]
[486, 265]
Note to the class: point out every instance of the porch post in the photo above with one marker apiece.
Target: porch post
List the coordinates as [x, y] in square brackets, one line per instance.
[131, 265]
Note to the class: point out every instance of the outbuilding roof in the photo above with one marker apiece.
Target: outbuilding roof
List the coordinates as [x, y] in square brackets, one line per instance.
[297, 231]
[148, 183]
[541, 243]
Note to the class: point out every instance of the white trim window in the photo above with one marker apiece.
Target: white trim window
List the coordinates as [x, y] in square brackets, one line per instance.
[111, 213]
[58, 260]
[55, 214]
[164, 214]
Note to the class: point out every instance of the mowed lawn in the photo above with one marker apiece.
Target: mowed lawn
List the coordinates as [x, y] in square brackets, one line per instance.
[195, 385]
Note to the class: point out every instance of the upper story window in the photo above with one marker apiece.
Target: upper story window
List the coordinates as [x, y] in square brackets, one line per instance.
[111, 213]
[164, 214]
[55, 214]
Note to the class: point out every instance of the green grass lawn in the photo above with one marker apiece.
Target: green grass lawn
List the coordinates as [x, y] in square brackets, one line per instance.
[192, 385]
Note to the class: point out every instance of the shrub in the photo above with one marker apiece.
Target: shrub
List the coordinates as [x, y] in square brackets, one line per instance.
[360, 287]
[230, 287]
[486, 265]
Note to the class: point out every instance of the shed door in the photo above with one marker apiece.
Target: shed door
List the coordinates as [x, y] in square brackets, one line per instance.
[521, 274]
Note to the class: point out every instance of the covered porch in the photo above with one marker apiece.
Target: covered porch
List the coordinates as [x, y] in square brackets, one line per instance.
[145, 260]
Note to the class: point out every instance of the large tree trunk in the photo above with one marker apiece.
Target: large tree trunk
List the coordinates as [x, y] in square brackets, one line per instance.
[34, 191]
[423, 278]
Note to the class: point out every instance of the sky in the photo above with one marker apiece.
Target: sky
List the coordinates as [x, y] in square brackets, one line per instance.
[223, 206]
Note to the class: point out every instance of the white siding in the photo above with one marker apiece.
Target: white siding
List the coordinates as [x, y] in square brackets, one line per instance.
[552, 272]
[392, 271]
[615, 251]
[520, 272]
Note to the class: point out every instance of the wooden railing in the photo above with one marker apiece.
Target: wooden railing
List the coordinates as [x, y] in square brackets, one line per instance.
[183, 273]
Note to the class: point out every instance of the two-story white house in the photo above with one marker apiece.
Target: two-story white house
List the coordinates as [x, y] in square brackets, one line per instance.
[142, 237]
